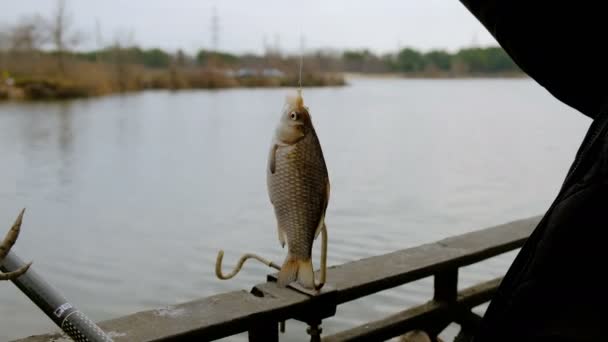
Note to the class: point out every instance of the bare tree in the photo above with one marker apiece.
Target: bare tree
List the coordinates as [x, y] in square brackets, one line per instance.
[23, 39]
[5, 246]
[121, 56]
[61, 34]
[4, 46]
[26, 35]
[5, 39]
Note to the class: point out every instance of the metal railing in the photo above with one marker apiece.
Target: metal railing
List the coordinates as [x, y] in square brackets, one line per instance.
[261, 310]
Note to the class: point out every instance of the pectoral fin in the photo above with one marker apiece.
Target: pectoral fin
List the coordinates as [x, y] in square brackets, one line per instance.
[282, 237]
[272, 158]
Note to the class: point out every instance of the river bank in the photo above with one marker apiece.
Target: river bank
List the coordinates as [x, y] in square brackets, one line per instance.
[61, 88]
[69, 87]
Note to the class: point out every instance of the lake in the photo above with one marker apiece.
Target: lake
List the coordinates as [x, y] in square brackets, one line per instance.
[129, 198]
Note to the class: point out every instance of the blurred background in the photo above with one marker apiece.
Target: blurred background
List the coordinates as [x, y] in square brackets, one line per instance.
[136, 135]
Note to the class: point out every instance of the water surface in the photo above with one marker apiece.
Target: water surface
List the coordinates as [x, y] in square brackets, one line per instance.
[129, 198]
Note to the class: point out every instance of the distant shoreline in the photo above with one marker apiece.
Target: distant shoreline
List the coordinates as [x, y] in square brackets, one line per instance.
[395, 75]
[63, 88]
[52, 89]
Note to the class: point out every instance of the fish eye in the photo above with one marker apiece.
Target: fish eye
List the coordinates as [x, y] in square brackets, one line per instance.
[293, 116]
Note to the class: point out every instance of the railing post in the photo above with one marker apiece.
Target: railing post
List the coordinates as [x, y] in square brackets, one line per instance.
[446, 286]
[314, 330]
[446, 291]
[469, 323]
[264, 332]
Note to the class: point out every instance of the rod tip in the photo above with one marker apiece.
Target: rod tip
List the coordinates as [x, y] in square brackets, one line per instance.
[19, 219]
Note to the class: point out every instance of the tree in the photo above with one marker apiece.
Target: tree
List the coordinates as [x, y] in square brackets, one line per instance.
[27, 35]
[410, 60]
[180, 58]
[215, 58]
[364, 61]
[122, 52]
[440, 59]
[4, 40]
[152, 58]
[492, 60]
[61, 34]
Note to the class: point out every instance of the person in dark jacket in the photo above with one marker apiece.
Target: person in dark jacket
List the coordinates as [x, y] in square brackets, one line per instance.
[556, 289]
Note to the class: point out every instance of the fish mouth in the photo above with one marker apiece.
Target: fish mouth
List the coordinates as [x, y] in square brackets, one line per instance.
[298, 126]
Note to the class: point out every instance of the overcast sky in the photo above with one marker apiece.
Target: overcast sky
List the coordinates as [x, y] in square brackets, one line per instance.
[244, 25]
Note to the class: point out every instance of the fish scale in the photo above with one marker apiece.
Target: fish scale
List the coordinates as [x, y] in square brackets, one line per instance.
[298, 185]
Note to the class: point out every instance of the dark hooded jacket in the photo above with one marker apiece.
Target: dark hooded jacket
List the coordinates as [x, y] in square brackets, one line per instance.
[556, 289]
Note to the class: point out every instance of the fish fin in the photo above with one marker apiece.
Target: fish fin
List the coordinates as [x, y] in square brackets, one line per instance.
[288, 272]
[281, 237]
[294, 269]
[306, 275]
[273, 159]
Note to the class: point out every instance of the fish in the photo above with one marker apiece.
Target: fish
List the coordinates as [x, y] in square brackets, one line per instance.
[299, 190]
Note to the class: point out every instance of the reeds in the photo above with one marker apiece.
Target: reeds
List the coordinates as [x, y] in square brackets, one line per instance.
[35, 76]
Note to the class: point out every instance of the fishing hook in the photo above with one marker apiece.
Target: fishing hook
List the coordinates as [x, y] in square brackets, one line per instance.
[323, 274]
[237, 269]
[247, 256]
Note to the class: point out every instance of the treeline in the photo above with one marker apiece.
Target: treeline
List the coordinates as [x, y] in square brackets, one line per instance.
[489, 61]
[39, 58]
[469, 61]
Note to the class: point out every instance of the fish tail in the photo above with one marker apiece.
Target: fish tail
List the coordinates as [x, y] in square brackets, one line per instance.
[298, 270]
[306, 275]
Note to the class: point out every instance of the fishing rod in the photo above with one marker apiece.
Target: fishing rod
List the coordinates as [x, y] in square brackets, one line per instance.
[64, 314]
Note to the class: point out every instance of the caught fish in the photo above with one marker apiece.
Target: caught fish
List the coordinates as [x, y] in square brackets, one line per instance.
[298, 187]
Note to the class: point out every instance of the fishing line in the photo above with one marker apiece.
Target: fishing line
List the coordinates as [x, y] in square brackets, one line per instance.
[301, 61]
